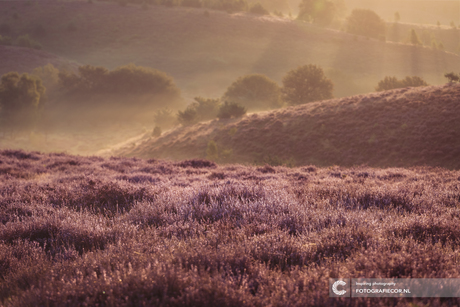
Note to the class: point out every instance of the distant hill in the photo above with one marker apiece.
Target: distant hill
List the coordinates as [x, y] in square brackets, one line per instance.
[25, 60]
[403, 127]
[205, 54]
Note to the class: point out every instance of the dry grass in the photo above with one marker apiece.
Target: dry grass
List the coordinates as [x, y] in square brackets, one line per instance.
[403, 127]
[80, 231]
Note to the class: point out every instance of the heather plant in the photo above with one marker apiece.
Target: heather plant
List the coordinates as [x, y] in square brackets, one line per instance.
[122, 231]
[5, 40]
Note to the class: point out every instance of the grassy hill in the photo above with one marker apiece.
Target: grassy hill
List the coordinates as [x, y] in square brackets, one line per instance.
[206, 53]
[403, 127]
[87, 231]
[25, 59]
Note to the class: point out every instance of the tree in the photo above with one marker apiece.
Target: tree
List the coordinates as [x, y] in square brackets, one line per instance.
[452, 77]
[21, 97]
[413, 38]
[206, 108]
[321, 12]
[306, 84]
[397, 17]
[367, 23]
[258, 9]
[389, 83]
[187, 117]
[255, 92]
[231, 109]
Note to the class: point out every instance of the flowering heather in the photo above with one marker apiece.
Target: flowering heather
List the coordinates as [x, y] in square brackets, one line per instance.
[404, 127]
[128, 232]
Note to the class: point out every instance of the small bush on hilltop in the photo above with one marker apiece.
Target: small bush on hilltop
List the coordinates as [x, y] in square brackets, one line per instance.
[201, 109]
[306, 84]
[389, 83]
[367, 23]
[452, 77]
[255, 92]
[231, 109]
[189, 116]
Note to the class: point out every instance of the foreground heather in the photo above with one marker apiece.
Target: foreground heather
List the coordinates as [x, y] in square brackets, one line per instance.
[90, 231]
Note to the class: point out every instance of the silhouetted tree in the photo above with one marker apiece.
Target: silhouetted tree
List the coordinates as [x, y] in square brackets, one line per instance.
[231, 109]
[21, 97]
[413, 38]
[255, 92]
[306, 84]
[452, 77]
[367, 23]
[321, 12]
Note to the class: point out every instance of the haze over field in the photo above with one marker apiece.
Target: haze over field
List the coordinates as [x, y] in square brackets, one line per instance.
[226, 152]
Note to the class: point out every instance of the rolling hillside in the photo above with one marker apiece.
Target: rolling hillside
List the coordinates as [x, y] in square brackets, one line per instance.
[25, 60]
[403, 127]
[206, 53]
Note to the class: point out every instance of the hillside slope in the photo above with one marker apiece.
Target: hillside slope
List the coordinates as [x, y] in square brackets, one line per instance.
[403, 127]
[25, 59]
[206, 53]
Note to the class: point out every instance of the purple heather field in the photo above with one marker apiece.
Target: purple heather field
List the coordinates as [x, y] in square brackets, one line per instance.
[89, 231]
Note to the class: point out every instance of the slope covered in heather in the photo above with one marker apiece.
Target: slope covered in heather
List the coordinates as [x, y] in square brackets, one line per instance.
[87, 231]
[403, 127]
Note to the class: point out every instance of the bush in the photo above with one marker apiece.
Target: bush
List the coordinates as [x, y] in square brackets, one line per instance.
[366, 22]
[258, 9]
[320, 12]
[255, 92]
[206, 108]
[21, 97]
[27, 42]
[187, 117]
[389, 83]
[452, 77]
[124, 80]
[306, 84]
[231, 109]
